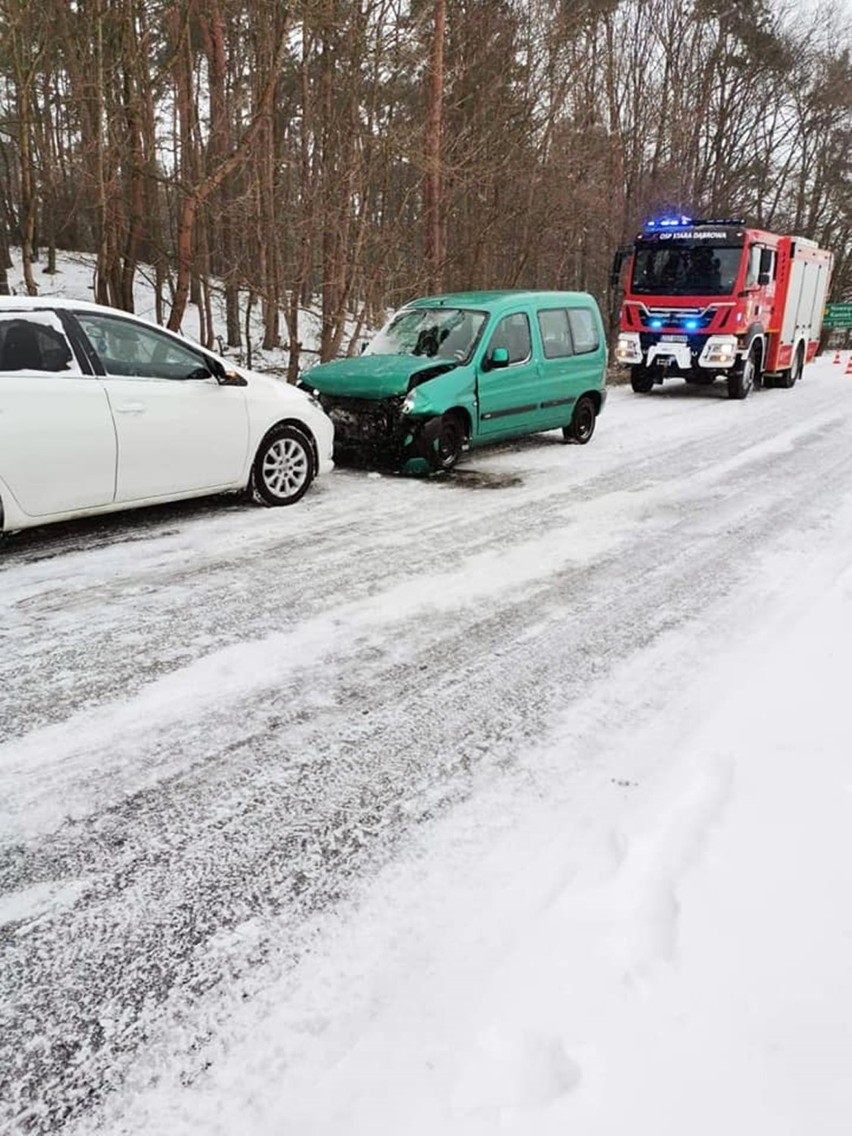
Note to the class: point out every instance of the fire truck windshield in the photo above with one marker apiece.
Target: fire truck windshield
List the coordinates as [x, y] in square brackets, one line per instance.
[685, 269]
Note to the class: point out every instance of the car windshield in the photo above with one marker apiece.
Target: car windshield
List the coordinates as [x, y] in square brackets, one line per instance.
[683, 269]
[443, 333]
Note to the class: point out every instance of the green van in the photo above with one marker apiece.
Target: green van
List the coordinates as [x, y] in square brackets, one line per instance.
[454, 371]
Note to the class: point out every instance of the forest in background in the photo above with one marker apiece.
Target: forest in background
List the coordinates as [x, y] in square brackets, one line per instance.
[351, 154]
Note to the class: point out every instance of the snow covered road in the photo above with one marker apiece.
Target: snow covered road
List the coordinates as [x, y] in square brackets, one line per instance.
[268, 777]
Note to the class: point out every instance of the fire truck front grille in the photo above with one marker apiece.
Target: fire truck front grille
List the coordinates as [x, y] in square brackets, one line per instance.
[682, 319]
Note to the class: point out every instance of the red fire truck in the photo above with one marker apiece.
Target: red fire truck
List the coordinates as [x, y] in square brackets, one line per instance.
[711, 298]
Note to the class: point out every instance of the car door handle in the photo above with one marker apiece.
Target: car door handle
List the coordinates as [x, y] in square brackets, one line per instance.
[131, 408]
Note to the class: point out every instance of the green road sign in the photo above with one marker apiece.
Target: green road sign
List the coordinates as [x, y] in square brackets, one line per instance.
[838, 315]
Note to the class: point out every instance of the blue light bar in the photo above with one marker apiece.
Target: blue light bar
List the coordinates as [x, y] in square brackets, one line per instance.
[655, 324]
[679, 222]
[691, 325]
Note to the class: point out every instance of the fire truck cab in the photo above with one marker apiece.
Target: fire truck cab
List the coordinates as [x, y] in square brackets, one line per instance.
[711, 298]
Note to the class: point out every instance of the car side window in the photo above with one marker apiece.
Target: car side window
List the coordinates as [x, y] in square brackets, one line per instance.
[555, 333]
[126, 348]
[34, 342]
[513, 333]
[584, 330]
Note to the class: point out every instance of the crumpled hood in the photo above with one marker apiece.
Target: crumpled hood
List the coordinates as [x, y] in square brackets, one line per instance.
[370, 376]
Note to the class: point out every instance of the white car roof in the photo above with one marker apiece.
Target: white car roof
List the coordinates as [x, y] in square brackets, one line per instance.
[22, 303]
[46, 303]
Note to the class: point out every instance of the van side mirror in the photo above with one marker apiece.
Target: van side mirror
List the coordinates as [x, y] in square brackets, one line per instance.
[499, 357]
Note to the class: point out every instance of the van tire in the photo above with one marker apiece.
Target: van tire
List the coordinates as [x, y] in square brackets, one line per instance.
[446, 447]
[582, 422]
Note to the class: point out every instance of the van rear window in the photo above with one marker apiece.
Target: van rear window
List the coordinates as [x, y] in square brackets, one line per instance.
[584, 330]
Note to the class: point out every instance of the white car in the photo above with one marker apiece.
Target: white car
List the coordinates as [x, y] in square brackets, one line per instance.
[101, 410]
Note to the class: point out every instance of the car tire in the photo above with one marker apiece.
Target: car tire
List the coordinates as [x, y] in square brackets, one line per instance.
[583, 421]
[283, 467]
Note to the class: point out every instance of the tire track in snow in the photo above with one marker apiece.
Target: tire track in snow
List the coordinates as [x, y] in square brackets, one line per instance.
[181, 607]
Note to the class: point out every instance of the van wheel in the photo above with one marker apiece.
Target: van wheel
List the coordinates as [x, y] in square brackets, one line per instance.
[446, 447]
[283, 467]
[582, 423]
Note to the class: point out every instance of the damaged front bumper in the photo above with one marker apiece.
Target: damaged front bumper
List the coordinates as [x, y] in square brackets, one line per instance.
[378, 431]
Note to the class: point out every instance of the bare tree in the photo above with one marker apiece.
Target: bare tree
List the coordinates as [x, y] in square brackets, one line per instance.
[432, 149]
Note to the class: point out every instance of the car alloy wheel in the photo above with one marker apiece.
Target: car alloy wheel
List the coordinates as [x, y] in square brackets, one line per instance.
[283, 468]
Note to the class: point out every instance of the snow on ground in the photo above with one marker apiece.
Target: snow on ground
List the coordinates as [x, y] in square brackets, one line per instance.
[517, 801]
[679, 963]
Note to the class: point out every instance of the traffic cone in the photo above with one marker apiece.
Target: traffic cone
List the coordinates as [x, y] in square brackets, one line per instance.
[836, 358]
[848, 370]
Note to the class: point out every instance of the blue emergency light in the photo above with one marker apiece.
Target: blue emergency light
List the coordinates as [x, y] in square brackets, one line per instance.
[679, 222]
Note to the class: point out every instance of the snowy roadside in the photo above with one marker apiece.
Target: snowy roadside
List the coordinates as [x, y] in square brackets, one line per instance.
[675, 960]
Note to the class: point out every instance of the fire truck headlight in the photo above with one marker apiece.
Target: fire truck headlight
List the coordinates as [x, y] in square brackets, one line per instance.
[628, 349]
[719, 351]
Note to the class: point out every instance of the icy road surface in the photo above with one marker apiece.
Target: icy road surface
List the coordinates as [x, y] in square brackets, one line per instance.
[219, 724]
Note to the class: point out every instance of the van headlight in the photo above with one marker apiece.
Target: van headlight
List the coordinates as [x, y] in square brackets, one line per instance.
[409, 401]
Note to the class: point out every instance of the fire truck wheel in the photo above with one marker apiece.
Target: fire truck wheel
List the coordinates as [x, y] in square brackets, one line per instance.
[791, 377]
[641, 380]
[740, 383]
